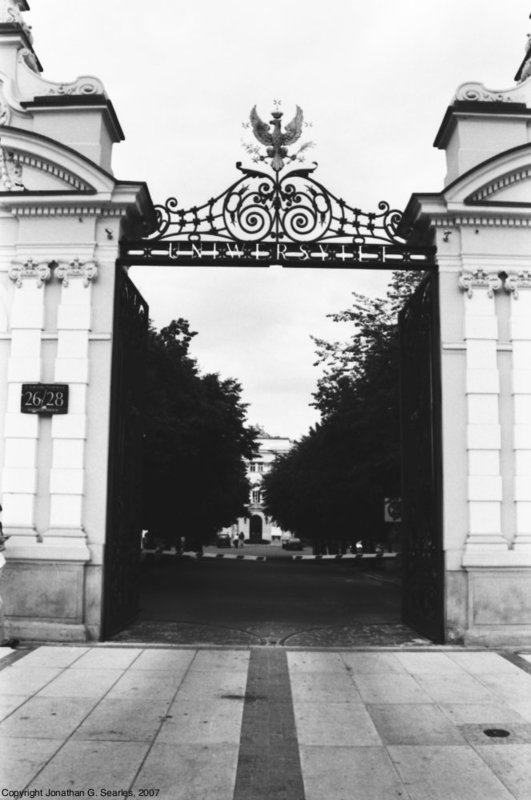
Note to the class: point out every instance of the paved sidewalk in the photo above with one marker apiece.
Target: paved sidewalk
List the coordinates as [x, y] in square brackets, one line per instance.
[267, 722]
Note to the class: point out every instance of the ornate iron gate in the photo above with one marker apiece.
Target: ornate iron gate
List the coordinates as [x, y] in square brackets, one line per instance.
[279, 216]
[422, 552]
[287, 217]
[123, 541]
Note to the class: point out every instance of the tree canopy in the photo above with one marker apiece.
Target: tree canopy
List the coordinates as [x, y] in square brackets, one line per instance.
[332, 484]
[196, 442]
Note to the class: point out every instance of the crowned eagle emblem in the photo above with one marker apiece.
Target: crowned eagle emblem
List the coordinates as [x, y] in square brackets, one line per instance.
[275, 140]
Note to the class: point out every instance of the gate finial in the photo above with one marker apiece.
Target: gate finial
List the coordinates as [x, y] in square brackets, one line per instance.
[275, 141]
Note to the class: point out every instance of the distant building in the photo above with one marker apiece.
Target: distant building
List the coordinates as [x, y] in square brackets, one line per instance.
[258, 526]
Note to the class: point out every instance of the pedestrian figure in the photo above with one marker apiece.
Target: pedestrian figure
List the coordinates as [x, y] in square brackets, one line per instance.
[241, 537]
[235, 540]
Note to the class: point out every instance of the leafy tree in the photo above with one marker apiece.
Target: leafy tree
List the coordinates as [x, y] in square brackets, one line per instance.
[196, 440]
[331, 485]
[352, 367]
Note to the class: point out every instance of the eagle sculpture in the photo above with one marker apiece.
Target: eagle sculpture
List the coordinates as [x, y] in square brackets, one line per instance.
[274, 140]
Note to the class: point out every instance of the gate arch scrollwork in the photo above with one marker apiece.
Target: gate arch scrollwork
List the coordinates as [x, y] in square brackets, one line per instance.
[262, 207]
[282, 216]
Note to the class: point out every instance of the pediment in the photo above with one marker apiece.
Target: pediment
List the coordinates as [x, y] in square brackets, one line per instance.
[501, 180]
[511, 188]
[22, 171]
[31, 163]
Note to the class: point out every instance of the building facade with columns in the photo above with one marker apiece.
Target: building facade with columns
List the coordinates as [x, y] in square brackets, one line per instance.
[62, 214]
[481, 225]
[258, 525]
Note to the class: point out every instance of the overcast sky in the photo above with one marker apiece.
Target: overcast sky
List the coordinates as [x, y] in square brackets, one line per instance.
[374, 80]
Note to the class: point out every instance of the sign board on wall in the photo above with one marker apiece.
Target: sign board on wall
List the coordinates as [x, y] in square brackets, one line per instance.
[393, 509]
[44, 398]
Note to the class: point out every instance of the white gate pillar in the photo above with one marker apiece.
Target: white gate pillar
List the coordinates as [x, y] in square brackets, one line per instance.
[69, 431]
[21, 432]
[483, 431]
[518, 284]
[481, 226]
[62, 214]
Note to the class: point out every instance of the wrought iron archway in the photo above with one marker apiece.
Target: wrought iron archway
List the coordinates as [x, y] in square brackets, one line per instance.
[276, 217]
[289, 218]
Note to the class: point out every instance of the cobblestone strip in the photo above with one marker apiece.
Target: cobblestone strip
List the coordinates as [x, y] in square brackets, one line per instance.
[269, 766]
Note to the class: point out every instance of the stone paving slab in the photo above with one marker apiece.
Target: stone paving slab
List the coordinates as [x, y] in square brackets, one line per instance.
[437, 772]
[266, 723]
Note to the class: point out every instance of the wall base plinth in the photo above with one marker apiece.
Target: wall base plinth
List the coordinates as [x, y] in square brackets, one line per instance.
[493, 636]
[477, 558]
[32, 630]
[499, 606]
[21, 540]
[49, 548]
[489, 606]
[44, 600]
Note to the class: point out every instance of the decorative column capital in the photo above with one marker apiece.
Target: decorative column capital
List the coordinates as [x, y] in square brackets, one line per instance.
[30, 268]
[87, 270]
[516, 281]
[480, 279]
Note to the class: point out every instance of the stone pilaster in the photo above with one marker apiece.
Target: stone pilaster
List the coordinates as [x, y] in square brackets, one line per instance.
[518, 284]
[19, 477]
[69, 431]
[485, 542]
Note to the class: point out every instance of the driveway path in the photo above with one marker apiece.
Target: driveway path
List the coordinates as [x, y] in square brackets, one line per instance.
[278, 601]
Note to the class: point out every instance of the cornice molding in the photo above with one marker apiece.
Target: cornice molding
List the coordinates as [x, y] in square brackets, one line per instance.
[74, 210]
[483, 221]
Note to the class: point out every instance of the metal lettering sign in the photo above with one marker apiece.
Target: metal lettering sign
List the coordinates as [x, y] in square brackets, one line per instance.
[209, 253]
[44, 398]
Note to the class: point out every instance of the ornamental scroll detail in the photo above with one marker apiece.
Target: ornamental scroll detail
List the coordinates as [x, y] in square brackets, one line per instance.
[516, 281]
[294, 208]
[480, 279]
[39, 270]
[87, 270]
[280, 216]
